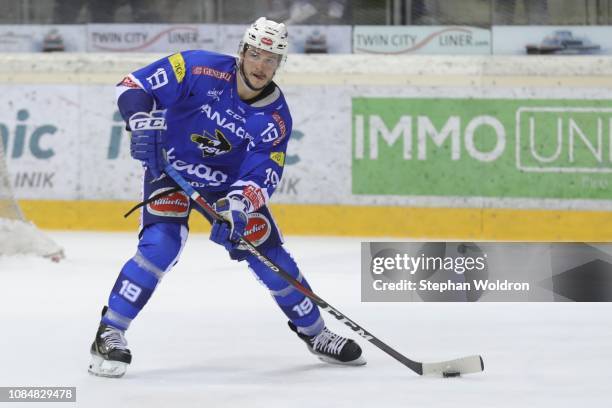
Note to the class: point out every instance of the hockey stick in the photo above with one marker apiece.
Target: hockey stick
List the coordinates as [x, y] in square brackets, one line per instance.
[465, 365]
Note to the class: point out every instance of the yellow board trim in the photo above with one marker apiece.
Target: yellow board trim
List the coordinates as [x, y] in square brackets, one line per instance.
[178, 66]
[368, 221]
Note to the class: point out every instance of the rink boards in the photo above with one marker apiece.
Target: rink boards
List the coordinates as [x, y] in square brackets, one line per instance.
[375, 221]
[509, 148]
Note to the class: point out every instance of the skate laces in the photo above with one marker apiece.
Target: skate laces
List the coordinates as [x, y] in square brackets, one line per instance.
[114, 339]
[328, 342]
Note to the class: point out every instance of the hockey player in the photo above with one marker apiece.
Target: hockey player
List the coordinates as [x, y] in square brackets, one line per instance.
[224, 125]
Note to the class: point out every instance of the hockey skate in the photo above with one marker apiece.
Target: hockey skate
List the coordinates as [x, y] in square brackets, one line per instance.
[332, 348]
[109, 353]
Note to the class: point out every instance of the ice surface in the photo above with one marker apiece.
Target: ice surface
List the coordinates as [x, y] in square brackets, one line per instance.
[211, 336]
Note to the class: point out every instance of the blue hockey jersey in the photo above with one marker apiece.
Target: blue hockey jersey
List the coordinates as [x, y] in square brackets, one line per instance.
[214, 139]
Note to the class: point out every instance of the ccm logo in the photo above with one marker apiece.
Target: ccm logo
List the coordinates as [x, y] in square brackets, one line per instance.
[349, 323]
[266, 41]
[148, 123]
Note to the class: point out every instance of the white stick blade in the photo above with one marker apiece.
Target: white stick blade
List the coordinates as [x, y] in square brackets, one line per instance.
[465, 365]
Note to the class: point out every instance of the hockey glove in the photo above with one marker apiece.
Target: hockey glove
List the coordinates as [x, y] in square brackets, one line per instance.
[229, 231]
[146, 141]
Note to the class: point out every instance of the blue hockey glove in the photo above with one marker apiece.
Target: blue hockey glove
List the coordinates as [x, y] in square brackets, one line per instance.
[229, 231]
[146, 141]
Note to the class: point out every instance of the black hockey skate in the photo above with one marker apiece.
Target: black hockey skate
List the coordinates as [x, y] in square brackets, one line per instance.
[109, 353]
[332, 348]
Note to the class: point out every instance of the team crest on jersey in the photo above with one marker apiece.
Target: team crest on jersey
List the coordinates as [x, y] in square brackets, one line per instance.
[212, 145]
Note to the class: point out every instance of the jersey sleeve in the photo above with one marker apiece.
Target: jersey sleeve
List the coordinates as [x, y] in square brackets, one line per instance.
[168, 80]
[262, 168]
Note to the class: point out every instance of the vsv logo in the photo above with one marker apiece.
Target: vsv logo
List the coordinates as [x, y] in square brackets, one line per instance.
[212, 145]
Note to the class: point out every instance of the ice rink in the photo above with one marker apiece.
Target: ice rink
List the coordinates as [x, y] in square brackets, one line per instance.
[194, 345]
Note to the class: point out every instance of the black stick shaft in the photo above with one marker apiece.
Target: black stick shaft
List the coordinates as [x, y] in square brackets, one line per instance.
[195, 196]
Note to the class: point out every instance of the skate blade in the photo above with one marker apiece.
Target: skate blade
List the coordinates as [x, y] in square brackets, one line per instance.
[106, 368]
[357, 362]
[326, 359]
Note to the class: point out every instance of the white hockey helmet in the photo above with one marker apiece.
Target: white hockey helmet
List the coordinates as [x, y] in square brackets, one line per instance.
[267, 35]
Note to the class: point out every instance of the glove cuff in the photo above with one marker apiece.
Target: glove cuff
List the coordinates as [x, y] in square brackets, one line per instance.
[148, 121]
[228, 204]
[245, 204]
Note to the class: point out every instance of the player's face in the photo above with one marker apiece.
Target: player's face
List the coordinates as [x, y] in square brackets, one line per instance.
[259, 66]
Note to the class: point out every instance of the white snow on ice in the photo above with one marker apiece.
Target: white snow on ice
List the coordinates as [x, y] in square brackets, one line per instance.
[211, 336]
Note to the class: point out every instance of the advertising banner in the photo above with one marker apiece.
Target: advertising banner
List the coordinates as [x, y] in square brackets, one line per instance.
[350, 145]
[37, 38]
[168, 38]
[230, 36]
[63, 143]
[69, 142]
[319, 39]
[485, 272]
[482, 147]
[552, 40]
[450, 40]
